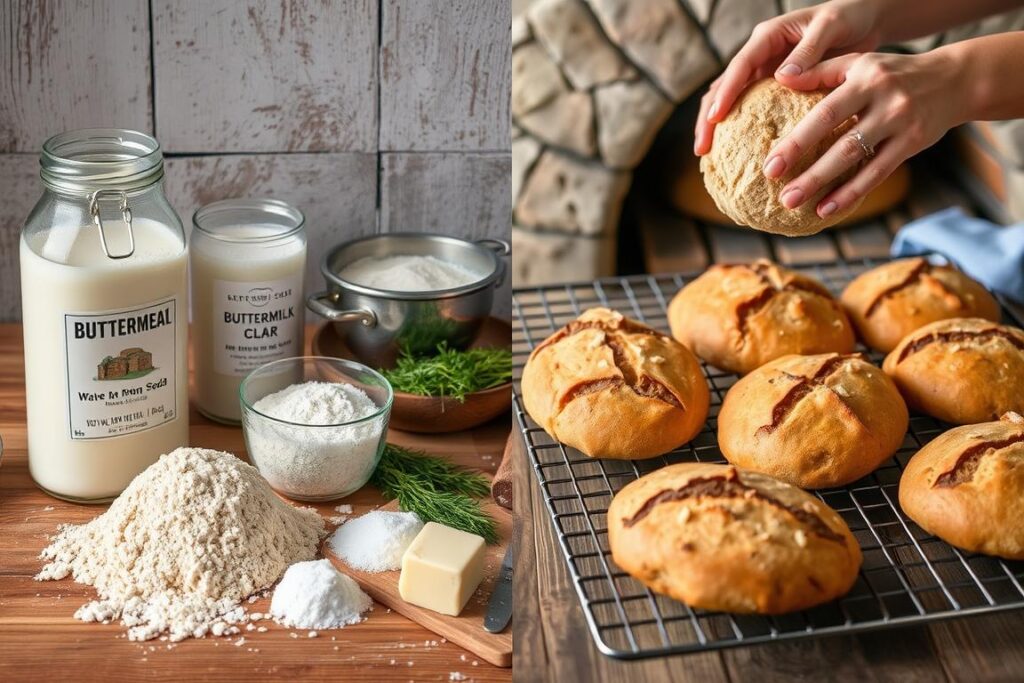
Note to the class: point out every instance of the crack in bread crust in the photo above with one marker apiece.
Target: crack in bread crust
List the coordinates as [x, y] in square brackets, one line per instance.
[967, 463]
[802, 388]
[914, 276]
[959, 336]
[730, 486]
[749, 307]
[640, 384]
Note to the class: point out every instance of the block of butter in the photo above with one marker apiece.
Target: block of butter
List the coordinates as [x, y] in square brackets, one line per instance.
[441, 568]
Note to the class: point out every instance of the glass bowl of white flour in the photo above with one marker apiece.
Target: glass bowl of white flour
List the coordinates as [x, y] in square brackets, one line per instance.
[315, 427]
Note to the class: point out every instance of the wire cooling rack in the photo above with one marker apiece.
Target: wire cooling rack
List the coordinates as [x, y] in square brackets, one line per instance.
[908, 576]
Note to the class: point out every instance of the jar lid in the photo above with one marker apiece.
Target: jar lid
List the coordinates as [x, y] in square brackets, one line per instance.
[101, 158]
[217, 219]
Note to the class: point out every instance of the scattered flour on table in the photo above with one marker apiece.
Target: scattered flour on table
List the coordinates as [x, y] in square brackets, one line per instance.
[325, 461]
[315, 595]
[183, 545]
[376, 541]
[407, 273]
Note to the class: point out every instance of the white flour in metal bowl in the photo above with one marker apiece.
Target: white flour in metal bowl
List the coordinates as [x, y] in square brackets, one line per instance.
[188, 539]
[407, 273]
[325, 460]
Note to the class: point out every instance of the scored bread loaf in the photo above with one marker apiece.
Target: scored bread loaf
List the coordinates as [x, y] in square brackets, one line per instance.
[720, 538]
[813, 421]
[612, 387]
[889, 302]
[733, 175]
[740, 316]
[966, 486]
[962, 370]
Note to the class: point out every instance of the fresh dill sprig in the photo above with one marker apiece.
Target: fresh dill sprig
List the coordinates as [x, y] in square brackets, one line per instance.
[436, 490]
[450, 373]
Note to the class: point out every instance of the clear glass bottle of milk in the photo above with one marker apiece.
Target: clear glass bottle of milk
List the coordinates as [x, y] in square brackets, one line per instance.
[248, 262]
[104, 309]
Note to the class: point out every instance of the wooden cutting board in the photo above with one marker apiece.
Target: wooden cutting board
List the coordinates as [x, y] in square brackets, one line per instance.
[465, 630]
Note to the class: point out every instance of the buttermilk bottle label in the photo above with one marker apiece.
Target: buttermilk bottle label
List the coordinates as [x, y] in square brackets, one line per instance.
[121, 370]
[255, 323]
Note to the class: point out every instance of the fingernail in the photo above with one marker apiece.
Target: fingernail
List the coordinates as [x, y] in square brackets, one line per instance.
[774, 167]
[829, 209]
[713, 110]
[792, 198]
[790, 70]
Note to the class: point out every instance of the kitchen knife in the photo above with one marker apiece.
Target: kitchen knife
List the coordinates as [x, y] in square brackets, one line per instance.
[499, 609]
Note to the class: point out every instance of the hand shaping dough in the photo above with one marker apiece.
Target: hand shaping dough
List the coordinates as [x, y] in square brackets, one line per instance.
[733, 174]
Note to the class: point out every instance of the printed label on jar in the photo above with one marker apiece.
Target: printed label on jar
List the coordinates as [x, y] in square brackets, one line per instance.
[121, 370]
[255, 323]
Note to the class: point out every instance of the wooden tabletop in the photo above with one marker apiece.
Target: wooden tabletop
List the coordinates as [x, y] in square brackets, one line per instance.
[552, 640]
[40, 640]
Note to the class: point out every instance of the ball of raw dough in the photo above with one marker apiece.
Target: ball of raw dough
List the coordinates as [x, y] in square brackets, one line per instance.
[733, 173]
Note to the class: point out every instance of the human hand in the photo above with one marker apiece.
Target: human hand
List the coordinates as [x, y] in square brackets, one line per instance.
[787, 45]
[903, 104]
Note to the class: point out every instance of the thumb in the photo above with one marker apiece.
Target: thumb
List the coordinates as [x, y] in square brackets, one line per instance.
[817, 39]
[828, 74]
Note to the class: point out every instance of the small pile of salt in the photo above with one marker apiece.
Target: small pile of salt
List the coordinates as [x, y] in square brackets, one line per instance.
[315, 595]
[376, 541]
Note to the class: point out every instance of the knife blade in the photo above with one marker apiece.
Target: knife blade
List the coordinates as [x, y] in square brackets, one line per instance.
[499, 608]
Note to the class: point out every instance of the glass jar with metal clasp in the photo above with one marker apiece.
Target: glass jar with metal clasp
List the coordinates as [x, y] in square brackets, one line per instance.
[105, 315]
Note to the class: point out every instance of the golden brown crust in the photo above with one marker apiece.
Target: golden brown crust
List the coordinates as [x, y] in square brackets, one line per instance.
[963, 370]
[720, 538]
[967, 487]
[740, 316]
[765, 113]
[889, 302]
[615, 388]
[813, 421]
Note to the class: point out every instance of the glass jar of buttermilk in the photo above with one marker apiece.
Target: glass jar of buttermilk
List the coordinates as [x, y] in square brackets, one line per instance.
[248, 263]
[104, 309]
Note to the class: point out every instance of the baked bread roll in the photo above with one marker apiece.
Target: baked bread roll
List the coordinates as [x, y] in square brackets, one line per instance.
[615, 388]
[967, 487]
[813, 421]
[889, 302]
[963, 371]
[720, 538]
[740, 316]
[733, 175]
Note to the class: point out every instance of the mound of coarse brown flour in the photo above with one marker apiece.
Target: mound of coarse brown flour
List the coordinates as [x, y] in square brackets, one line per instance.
[179, 549]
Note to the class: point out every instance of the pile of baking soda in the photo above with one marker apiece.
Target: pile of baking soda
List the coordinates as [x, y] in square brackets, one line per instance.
[190, 538]
[407, 273]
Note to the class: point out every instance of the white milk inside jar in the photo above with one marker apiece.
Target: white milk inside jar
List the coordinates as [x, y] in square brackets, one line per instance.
[248, 262]
[104, 309]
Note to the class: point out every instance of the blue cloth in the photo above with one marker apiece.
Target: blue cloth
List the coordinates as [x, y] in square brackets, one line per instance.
[990, 253]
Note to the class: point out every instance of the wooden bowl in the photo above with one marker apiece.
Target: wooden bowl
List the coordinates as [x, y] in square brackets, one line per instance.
[428, 414]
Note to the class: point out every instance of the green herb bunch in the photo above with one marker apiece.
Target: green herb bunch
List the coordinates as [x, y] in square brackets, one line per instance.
[436, 490]
[450, 372]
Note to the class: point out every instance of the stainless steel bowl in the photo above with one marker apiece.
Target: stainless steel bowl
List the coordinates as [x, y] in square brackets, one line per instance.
[377, 323]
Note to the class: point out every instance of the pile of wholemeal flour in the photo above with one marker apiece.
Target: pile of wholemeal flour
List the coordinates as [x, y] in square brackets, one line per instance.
[191, 536]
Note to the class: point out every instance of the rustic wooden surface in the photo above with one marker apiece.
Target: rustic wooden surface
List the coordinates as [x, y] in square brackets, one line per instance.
[553, 642]
[356, 111]
[465, 629]
[440, 56]
[265, 76]
[40, 640]
[70, 65]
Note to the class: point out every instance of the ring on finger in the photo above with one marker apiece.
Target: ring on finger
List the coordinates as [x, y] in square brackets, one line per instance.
[869, 149]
